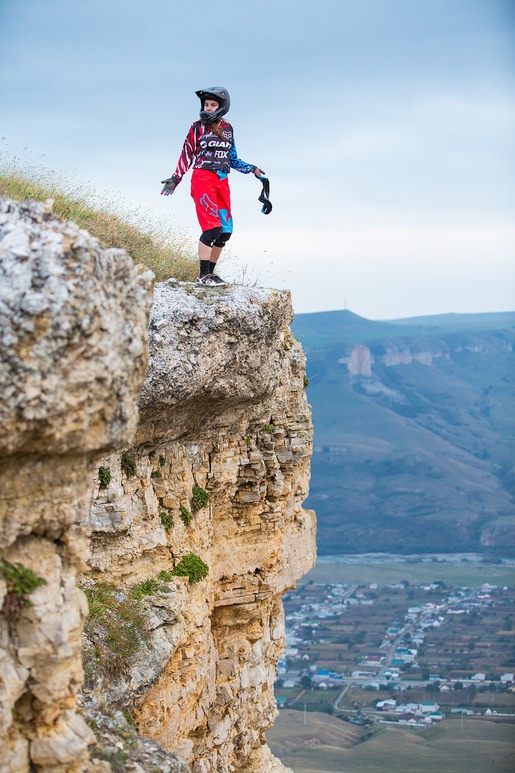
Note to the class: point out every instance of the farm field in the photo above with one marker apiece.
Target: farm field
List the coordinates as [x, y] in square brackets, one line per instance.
[453, 573]
[324, 746]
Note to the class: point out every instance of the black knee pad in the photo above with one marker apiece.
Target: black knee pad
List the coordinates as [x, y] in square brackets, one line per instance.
[222, 239]
[210, 237]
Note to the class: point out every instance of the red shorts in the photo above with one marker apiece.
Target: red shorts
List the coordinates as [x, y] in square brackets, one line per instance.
[212, 199]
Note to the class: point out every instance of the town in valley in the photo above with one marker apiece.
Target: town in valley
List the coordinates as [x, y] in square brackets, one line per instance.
[411, 654]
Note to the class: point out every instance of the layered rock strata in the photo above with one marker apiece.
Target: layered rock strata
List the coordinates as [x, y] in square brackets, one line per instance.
[221, 452]
[73, 321]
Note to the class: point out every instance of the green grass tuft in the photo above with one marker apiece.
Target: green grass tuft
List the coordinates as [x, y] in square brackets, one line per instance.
[104, 477]
[166, 520]
[21, 581]
[145, 588]
[114, 632]
[185, 515]
[165, 576]
[128, 464]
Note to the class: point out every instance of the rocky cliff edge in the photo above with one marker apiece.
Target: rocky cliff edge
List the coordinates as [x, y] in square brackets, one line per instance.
[184, 519]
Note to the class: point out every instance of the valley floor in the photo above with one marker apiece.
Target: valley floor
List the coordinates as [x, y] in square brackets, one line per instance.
[328, 745]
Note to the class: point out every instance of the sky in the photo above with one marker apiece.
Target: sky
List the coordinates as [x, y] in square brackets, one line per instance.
[386, 127]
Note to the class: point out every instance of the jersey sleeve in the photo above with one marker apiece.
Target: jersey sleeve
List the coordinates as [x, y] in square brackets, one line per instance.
[237, 163]
[188, 153]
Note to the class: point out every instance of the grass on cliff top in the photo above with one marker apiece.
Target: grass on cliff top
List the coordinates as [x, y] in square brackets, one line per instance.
[147, 241]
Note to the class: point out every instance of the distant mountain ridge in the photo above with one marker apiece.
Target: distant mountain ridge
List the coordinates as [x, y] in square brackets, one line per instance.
[414, 431]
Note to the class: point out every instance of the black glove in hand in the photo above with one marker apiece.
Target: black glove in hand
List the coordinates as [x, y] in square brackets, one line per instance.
[263, 197]
[259, 173]
[169, 186]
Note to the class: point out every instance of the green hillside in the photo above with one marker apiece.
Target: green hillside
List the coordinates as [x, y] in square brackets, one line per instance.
[414, 431]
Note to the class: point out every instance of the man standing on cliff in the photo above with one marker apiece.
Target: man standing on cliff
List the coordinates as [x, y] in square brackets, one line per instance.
[210, 147]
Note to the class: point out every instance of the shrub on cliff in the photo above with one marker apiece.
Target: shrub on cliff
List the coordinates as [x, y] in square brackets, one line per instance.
[20, 581]
[114, 632]
[146, 240]
[200, 498]
[192, 566]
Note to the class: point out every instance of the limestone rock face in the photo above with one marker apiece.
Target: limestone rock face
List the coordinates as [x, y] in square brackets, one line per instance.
[73, 328]
[223, 411]
[212, 468]
[69, 318]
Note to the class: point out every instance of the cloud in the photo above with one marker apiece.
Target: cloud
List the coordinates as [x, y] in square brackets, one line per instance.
[386, 129]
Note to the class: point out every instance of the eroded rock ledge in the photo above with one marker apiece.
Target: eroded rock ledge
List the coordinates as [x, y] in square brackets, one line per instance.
[222, 409]
[216, 465]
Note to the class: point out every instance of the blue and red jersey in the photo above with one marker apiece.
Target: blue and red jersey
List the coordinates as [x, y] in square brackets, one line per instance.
[206, 150]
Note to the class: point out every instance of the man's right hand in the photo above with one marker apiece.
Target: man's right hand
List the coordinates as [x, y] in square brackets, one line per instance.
[169, 186]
